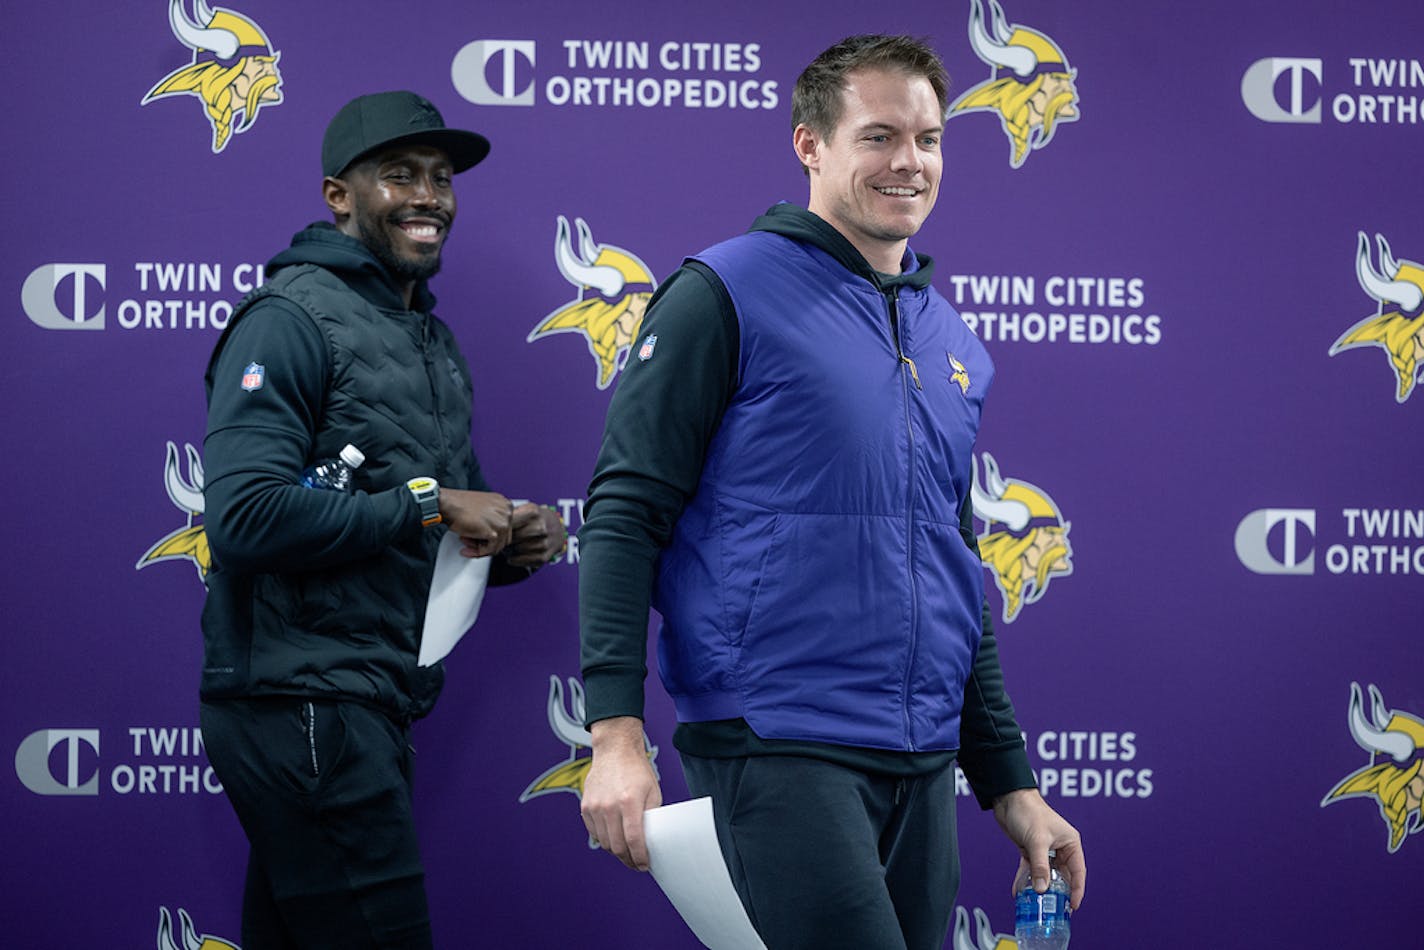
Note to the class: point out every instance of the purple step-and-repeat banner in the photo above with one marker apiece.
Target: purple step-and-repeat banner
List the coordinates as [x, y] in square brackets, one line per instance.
[1193, 251]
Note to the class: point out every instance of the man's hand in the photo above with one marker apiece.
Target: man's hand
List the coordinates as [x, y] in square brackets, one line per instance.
[619, 787]
[1036, 828]
[482, 519]
[537, 536]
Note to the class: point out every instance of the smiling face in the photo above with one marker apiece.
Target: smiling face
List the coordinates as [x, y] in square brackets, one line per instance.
[876, 175]
[400, 204]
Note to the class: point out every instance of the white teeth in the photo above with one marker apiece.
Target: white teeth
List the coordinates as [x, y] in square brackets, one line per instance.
[898, 192]
[424, 230]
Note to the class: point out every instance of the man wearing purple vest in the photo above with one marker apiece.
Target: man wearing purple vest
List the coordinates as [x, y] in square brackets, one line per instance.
[785, 477]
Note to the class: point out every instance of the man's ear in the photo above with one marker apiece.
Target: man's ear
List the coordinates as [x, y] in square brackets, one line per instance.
[337, 196]
[808, 146]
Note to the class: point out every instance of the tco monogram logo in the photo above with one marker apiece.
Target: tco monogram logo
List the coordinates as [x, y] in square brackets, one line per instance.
[1258, 89]
[38, 297]
[474, 65]
[32, 762]
[1297, 555]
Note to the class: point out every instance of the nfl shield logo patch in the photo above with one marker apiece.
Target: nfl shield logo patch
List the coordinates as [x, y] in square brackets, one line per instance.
[646, 353]
[252, 376]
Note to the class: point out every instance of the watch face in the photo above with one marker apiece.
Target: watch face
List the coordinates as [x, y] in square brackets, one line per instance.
[427, 494]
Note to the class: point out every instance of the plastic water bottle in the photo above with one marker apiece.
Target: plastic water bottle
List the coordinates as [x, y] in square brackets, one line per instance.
[334, 474]
[1041, 920]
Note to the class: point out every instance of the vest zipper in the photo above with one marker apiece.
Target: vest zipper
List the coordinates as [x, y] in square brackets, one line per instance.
[434, 394]
[895, 332]
[892, 303]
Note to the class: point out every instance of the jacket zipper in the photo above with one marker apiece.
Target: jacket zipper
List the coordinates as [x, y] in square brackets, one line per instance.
[895, 332]
[434, 393]
[892, 303]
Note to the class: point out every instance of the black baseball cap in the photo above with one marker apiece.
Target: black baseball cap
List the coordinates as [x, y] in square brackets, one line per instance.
[395, 118]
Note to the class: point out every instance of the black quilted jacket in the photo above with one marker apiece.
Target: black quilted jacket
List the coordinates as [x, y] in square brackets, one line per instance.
[317, 593]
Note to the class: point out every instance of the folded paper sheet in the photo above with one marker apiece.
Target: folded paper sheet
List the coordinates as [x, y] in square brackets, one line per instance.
[456, 592]
[688, 866]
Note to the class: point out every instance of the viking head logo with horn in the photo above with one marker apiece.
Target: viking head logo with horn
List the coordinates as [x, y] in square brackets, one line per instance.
[1398, 327]
[983, 937]
[569, 775]
[234, 68]
[1031, 86]
[190, 937]
[190, 542]
[1025, 539]
[614, 287]
[1395, 783]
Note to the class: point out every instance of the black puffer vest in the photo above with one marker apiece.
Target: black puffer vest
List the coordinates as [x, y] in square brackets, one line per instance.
[400, 391]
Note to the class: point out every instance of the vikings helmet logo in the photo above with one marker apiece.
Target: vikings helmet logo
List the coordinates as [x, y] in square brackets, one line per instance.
[1398, 327]
[234, 68]
[569, 775]
[1395, 784]
[958, 374]
[986, 938]
[1025, 539]
[1031, 87]
[614, 287]
[190, 542]
[191, 940]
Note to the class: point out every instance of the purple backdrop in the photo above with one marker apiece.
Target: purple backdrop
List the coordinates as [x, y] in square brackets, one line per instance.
[1201, 291]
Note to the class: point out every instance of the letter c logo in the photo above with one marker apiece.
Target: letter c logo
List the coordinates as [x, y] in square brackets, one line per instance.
[471, 67]
[1252, 536]
[1258, 89]
[32, 762]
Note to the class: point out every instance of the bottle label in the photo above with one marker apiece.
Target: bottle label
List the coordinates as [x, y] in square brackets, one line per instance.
[1031, 907]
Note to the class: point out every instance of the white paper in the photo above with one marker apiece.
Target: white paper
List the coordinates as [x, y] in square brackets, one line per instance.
[456, 592]
[688, 866]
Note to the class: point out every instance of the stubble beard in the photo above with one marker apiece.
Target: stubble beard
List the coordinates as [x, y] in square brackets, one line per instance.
[378, 240]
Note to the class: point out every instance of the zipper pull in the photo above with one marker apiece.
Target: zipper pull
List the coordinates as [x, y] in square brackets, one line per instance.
[894, 309]
[914, 373]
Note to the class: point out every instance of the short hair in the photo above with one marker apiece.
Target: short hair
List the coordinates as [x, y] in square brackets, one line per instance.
[817, 102]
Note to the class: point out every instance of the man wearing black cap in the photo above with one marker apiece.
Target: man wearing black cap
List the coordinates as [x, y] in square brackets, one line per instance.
[316, 599]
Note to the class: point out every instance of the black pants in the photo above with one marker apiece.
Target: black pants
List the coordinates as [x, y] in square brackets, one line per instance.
[323, 792]
[828, 857]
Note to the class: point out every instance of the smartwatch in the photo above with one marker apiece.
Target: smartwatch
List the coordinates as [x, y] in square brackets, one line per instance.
[427, 496]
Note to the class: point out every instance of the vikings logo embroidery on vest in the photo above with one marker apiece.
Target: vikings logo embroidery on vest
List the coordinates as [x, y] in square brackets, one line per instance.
[958, 374]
